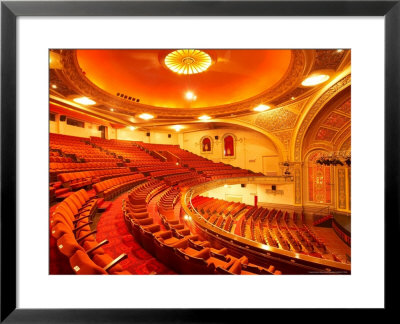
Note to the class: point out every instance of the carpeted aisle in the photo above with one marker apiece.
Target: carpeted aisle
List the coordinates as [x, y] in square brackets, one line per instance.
[111, 226]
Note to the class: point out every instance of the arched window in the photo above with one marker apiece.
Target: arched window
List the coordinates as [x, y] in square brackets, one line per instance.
[229, 146]
[206, 144]
[319, 180]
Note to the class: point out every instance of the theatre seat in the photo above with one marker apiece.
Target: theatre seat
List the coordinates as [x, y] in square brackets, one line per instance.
[83, 265]
[68, 245]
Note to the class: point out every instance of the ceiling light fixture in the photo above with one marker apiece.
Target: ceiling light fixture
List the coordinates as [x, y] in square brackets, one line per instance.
[339, 50]
[188, 61]
[189, 95]
[132, 128]
[54, 86]
[204, 117]
[84, 101]
[315, 79]
[292, 98]
[146, 116]
[111, 109]
[177, 127]
[262, 108]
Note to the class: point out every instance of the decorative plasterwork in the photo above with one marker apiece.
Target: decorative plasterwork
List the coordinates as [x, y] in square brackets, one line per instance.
[327, 59]
[325, 134]
[277, 119]
[336, 120]
[345, 108]
[78, 81]
[188, 61]
[328, 147]
[293, 94]
[284, 137]
[62, 89]
[342, 137]
[274, 139]
[346, 146]
[315, 108]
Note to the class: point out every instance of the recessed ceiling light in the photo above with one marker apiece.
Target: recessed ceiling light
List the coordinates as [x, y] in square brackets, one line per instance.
[84, 101]
[204, 117]
[54, 86]
[315, 79]
[111, 109]
[177, 127]
[292, 98]
[132, 128]
[262, 108]
[339, 50]
[146, 116]
[190, 95]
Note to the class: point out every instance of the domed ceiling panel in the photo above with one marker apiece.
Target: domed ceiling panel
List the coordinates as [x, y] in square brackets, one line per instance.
[234, 75]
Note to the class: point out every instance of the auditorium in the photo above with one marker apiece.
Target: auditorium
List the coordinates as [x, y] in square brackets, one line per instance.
[194, 161]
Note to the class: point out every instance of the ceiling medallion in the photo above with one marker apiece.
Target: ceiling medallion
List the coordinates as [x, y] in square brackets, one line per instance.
[188, 61]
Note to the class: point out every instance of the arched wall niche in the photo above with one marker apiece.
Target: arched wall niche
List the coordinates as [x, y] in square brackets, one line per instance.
[206, 145]
[250, 147]
[278, 145]
[229, 146]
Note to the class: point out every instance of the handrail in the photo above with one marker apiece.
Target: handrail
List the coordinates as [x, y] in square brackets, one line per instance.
[340, 231]
[187, 205]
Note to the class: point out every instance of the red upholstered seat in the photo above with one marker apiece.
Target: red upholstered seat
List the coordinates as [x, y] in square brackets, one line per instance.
[60, 229]
[68, 245]
[82, 264]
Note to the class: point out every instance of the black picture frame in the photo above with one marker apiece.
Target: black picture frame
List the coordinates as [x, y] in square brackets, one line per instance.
[10, 10]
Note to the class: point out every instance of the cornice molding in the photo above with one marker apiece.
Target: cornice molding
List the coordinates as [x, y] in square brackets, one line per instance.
[76, 79]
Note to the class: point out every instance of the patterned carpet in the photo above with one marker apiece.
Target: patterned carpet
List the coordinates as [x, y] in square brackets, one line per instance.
[111, 226]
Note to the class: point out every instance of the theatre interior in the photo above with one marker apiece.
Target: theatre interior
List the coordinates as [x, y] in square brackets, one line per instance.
[200, 161]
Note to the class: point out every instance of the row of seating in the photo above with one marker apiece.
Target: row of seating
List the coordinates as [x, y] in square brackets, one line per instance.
[70, 226]
[175, 179]
[110, 188]
[68, 167]
[79, 147]
[60, 159]
[270, 227]
[198, 163]
[174, 245]
[164, 173]
[76, 180]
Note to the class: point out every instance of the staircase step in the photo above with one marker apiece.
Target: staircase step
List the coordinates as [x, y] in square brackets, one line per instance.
[104, 206]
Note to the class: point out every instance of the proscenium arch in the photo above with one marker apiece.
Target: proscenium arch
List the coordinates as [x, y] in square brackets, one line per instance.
[309, 140]
[311, 110]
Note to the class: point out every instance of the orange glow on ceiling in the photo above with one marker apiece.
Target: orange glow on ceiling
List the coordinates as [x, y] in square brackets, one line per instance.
[235, 75]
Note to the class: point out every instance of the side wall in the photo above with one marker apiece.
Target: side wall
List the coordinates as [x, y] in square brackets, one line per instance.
[283, 195]
[252, 148]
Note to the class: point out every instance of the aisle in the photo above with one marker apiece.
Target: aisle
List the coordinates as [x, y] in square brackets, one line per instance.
[111, 226]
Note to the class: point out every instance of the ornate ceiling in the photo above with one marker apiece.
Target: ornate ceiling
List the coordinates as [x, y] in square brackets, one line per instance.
[126, 83]
[331, 128]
